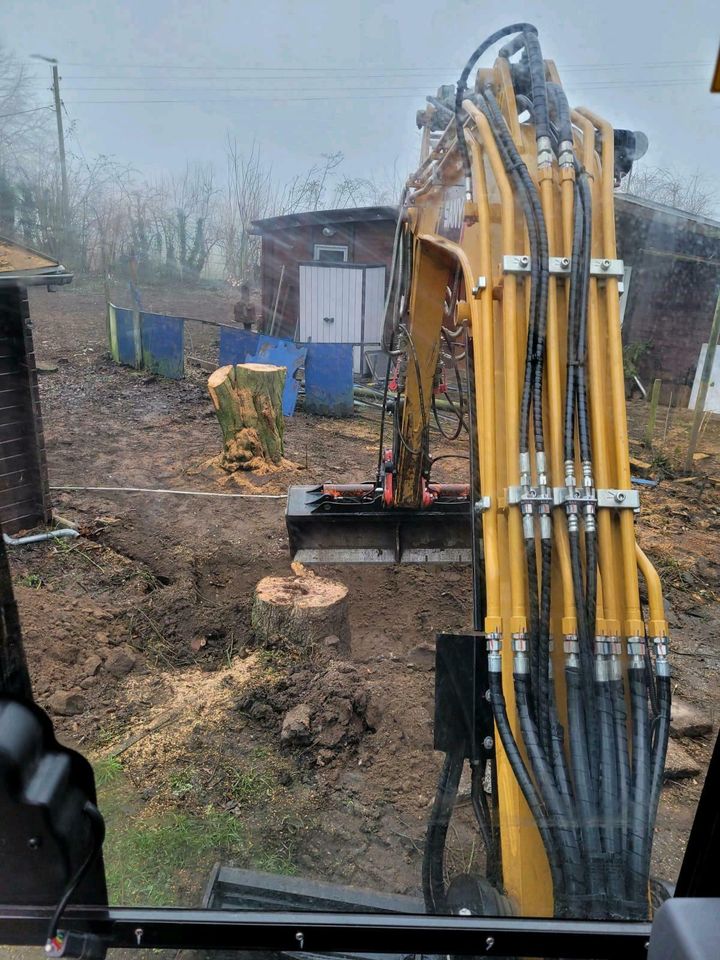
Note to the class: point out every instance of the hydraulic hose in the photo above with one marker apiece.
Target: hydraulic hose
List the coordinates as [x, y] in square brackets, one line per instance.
[662, 733]
[609, 794]
[527, 787]
[484, 822]
[584, 790]
[560, 816]
[638, 825]
[543, 693]
[530, 202]
[619, 714]
[527, 28]
[433, 857]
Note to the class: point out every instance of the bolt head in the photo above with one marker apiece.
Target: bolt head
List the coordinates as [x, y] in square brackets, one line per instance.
[488, 743]
[565, 262]
[524, 261]
[34, 843]
[605, 264]
[619, 497]
[489, 943]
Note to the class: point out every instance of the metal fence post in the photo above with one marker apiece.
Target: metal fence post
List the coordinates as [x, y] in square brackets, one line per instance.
[654, 399]
[704, 384]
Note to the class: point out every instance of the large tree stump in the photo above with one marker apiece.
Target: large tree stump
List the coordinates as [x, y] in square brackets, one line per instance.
[248, 404]
[302, 614]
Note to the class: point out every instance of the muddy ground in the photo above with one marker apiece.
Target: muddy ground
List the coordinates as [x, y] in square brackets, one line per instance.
[140, 645]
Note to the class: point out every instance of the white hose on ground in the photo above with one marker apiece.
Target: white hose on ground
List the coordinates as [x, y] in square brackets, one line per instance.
[40, 537]
[180, 493]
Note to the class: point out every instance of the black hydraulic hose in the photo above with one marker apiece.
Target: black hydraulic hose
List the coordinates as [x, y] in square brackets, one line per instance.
[462, 85]
[543, 691]
[484, 822]
[460, 414]
[619, 715]
[561, 817]
[638, 840]
[581, 372]
[662, 733]
[433, 880]
[651, 685]
[614, 879]
[536, 66]
[573, 328]
[527, 787]
[525, 192]
[381, 452]
[584, 791]
[561, 108]
[559, 764]
[585, 650]
[533, 615]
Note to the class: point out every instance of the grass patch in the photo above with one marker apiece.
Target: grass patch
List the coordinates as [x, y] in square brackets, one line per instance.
[33, 580]
[163, 857]
[107, 770]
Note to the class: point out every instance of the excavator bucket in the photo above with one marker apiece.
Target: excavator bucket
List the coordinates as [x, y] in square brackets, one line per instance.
[325, 528]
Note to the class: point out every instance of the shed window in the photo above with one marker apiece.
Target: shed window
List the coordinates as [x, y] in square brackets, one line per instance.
[330, 253]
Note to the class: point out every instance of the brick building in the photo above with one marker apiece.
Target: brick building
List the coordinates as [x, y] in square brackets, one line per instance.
[672, 278]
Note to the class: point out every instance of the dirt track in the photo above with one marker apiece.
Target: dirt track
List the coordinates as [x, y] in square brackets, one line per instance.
[163, 584]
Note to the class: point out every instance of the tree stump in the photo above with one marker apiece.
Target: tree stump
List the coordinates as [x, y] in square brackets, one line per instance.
[248, 403]
[302, 614]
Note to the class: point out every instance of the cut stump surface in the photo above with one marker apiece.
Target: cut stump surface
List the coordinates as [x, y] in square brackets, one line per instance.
[299, 613]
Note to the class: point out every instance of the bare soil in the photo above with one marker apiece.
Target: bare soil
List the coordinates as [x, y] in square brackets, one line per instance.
[191, 707]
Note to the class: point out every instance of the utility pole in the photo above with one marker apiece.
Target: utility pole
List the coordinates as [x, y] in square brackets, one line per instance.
[64, 198]
[61, 149]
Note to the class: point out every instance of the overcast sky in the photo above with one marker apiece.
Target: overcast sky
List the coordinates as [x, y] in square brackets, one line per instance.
[339, 75]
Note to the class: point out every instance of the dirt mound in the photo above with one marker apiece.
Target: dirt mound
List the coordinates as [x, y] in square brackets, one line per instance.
[77, 666]
[323, 714]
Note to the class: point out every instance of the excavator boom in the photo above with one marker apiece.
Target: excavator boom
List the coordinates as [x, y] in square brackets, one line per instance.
[506, 276]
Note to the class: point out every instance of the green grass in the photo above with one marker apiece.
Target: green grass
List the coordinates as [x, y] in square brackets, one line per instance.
[33, 580]
[107, 770]
[163, 858]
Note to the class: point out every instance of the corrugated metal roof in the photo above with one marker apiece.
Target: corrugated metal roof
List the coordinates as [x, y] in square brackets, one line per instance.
[313, 218]
[19, 262]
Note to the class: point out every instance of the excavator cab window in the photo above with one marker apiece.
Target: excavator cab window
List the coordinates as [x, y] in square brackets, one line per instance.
[411, 660]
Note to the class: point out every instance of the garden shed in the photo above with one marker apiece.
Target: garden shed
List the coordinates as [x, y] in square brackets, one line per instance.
[324, 275]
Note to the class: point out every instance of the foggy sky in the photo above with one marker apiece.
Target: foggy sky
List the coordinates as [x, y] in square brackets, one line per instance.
[630, 61]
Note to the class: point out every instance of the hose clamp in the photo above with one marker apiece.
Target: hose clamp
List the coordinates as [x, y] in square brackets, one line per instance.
[570, 643]
[602, 646]
[635, 646]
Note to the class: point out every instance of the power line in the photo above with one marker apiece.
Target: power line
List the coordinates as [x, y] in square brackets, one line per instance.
[589, 84]
[260, 98]
[362, 70]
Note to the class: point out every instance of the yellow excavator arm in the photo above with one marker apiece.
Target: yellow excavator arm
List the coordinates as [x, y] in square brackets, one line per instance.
[506, 269]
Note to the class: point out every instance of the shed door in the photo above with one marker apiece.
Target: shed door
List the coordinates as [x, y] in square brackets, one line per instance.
[330, 304]
[342, 304]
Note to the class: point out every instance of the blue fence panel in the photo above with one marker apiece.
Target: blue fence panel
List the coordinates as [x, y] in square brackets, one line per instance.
[329, 379]
[283, 353]
[129, 346]
[163, 345]
[236, 345]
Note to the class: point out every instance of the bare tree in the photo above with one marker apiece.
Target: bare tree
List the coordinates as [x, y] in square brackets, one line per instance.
[693, 193]
[249, 195]
[25, 124]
